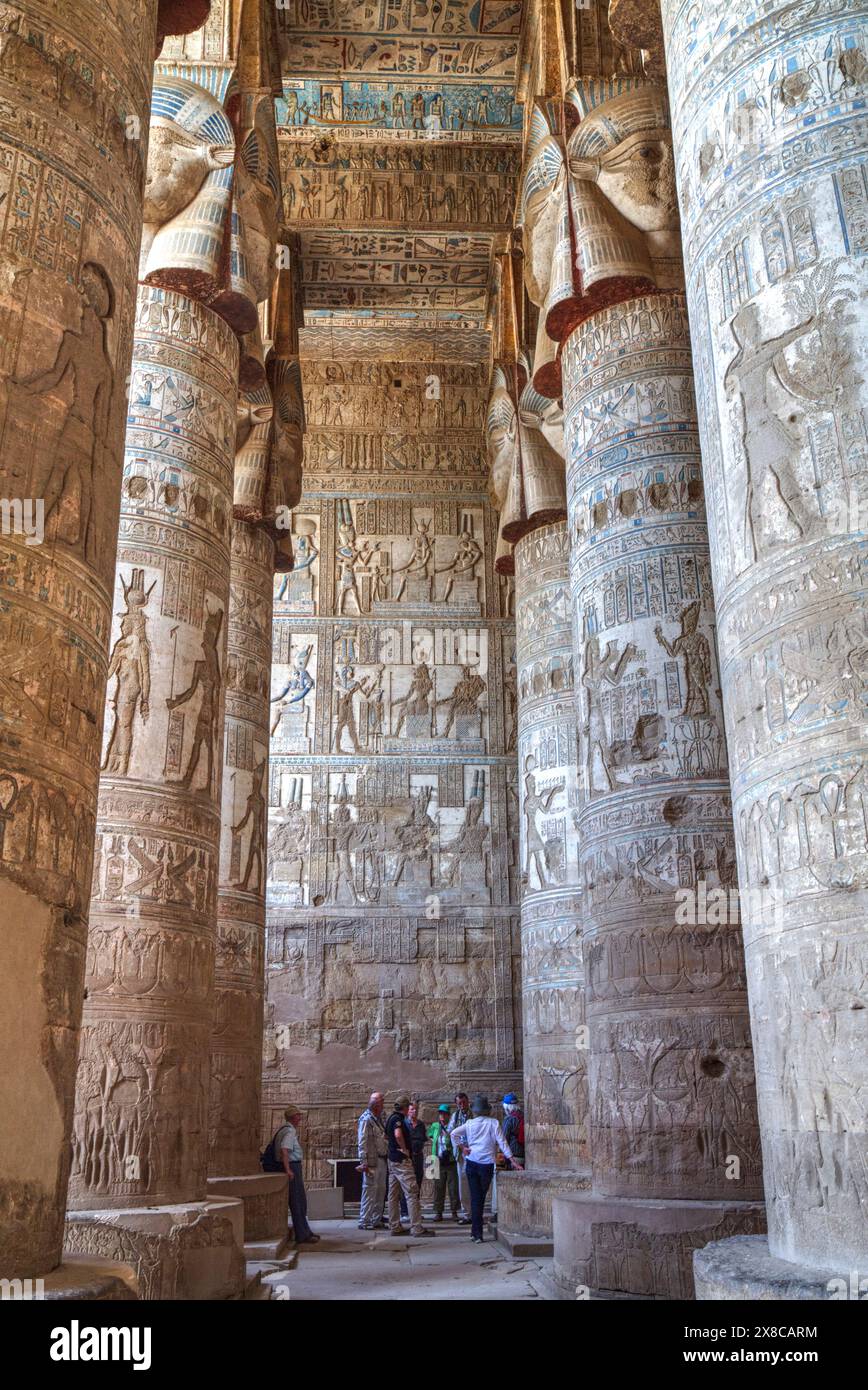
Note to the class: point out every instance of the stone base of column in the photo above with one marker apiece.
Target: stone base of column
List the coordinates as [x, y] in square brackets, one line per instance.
[266, 1204]
[743, 1268]
[190, 1251]
[627, 1247]
[524, 1207]
[80, 1279]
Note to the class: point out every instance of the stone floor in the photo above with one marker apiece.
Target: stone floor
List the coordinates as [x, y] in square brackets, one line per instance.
[353, 1264]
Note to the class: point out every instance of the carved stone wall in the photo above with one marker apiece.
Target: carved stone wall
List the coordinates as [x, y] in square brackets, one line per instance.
[74, 92]
[555, 1051]
[392, 932]
[141, 1126]
[769, 131]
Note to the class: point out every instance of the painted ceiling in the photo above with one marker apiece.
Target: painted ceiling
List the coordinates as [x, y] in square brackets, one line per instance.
[399, 140]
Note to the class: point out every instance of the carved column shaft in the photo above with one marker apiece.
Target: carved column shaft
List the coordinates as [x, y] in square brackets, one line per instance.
[769, 131]
[666, 1001]
[555, 1057]
[236, 1041]
[141, 1129]
[74, 92]
[525, 441]
[671, 1070]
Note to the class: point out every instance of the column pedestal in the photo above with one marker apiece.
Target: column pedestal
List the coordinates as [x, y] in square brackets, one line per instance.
[264, 1198]
[524, 1207]
[78, 1279]
[623, 1247]
[743, 1268]
[190, 1251]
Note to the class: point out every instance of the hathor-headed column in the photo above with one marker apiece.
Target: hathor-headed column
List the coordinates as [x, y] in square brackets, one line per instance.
[138, 1184]
[527, 483]
[267, 487]
[674, 1139]
[770, 133]
[75, 84]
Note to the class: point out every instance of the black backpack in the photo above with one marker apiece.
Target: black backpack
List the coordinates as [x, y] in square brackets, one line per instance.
[268, 1160]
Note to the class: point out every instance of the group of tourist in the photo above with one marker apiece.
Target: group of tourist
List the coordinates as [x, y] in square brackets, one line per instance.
[465, 1145]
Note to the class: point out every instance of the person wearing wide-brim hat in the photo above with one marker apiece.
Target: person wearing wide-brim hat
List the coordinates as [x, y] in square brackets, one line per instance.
[288, 1148]
[479, 1140]
[447, 1167]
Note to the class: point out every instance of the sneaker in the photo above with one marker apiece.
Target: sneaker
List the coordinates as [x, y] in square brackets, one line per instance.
[477, 1240]
[463, 1220]
[418, 1235]
[435, 1217]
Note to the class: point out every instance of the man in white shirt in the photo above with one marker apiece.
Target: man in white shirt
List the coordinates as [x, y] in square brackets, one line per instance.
[460, 1116]
[287, 1146]
[478, 1140]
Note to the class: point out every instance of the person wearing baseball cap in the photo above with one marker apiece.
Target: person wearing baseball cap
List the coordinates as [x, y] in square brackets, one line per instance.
[513, 1124]
[402, 1178]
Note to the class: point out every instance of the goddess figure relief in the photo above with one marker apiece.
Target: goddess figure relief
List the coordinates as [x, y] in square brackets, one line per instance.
[130, 665]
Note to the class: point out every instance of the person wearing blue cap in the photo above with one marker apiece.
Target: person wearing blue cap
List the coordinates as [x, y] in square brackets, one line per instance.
[513, 1124]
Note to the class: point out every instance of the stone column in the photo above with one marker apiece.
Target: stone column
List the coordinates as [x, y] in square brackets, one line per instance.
[141, 1126]
[267, 474]
[236, 1039]
[673, 1130]
[769, 129]
[552, 971]
[554, 1036]
[140, 1141]
[75, 82]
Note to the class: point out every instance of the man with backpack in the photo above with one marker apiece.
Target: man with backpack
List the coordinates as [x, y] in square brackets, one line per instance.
[284, 1154]
[513, 1124]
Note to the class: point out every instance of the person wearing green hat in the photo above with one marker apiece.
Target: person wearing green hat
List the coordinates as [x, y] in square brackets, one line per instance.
[447, 1175]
